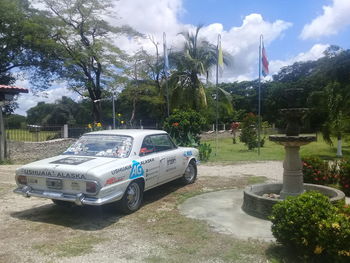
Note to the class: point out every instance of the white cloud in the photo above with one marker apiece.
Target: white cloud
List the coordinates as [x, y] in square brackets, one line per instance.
[154, 18]
[28, 100]
[150, 18]
[334, 18]
[316, 52]
[242, 43]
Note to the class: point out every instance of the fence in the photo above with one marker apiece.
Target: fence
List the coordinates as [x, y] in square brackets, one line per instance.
[34, 133]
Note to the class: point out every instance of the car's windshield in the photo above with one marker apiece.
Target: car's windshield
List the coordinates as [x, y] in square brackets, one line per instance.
[116, 146]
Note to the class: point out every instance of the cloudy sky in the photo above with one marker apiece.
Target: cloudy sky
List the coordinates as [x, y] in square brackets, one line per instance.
[297, 30]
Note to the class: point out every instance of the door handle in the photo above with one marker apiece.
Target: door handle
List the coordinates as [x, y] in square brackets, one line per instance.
[161, 160]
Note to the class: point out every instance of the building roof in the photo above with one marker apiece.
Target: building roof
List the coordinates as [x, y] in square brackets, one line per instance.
[12, 89]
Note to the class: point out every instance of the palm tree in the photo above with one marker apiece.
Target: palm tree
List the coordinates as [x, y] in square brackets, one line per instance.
[196, 58]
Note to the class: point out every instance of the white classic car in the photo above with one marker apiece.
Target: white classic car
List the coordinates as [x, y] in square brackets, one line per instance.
[107, 166]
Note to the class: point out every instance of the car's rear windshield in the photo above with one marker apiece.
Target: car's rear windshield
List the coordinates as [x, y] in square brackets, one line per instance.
[115, 146]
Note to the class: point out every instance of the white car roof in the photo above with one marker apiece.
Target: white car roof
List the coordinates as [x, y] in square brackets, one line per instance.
[128, 132]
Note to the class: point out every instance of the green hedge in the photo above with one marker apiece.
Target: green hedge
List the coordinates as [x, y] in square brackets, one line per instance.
[313, 228]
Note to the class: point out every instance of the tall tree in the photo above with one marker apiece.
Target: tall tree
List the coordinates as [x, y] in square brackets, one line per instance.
[25, 42]
[196, 58]
[85, 40]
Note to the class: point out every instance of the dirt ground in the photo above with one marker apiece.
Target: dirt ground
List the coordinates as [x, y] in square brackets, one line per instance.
[36, 230]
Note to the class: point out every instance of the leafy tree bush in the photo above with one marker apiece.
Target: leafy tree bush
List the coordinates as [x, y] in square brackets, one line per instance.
[249, 131]
[184, 127]
[15, 121]
[312, 227]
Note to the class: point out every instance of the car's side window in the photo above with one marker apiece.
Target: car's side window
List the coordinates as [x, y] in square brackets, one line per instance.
[162, 142]
[147, 146]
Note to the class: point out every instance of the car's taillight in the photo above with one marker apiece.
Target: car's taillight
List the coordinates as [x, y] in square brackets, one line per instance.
[91, 187]
[21, 179]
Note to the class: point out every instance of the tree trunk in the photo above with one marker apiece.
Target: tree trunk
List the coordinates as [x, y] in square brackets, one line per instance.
[133, 111]
[339, 147]
[96, 111]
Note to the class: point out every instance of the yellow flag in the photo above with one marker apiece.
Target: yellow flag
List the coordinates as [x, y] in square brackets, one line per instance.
[220, 57]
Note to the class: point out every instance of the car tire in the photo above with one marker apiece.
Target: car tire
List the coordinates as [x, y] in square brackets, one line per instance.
[62, 203]
[132, 198]
[190, 174]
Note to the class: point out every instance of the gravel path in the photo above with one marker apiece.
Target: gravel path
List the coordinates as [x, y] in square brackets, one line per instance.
[273, 170]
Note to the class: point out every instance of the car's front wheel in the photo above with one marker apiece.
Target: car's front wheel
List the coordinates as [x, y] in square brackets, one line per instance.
[132, 198]
[190, 174]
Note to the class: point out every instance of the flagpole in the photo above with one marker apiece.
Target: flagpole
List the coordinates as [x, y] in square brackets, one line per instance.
[259, 95]
[166, 72]
[217, 95]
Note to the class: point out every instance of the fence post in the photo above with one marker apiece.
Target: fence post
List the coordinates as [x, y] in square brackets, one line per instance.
[65, 131]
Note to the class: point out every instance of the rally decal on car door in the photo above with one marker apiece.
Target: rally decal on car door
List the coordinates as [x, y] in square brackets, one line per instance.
[136, 170]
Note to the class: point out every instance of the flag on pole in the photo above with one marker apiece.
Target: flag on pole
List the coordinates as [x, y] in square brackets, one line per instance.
[166, 60]
[220, 56]
[265, 62]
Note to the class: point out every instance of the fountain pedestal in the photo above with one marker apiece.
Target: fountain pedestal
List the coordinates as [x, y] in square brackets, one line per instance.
[292, 173]
[292, 165]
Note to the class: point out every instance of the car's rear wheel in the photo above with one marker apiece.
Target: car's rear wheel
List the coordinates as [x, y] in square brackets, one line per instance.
[190, 174]
[62, 203]
[132, 198]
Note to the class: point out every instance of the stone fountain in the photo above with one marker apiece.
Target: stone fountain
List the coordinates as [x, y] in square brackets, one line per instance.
[259, 199]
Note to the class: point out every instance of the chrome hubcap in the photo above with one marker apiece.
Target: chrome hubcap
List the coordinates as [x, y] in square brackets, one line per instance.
[190, 172]
[133, 195]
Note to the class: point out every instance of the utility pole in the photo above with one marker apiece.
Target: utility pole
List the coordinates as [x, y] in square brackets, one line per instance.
[113, 106]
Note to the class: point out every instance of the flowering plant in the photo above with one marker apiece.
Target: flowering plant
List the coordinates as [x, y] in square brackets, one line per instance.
[315, 229]
[318, 171]
[96, 126]
[184, 127]
[344, 175]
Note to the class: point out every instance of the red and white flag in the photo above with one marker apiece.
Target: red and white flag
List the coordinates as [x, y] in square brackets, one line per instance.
[265, 62]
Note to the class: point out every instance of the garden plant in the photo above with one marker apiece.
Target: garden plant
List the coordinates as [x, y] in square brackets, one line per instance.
[313, 228]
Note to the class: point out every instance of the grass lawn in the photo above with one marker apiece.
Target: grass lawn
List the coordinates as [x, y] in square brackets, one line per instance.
[229, 153]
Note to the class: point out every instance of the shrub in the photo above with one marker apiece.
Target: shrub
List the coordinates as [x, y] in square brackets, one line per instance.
[344, 175]
[318, 171]
[313, 227]
[204, 152]
[248, 131]
[184, 127]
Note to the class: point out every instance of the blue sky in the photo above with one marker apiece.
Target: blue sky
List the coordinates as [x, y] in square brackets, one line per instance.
[294, 30]
[298, 12]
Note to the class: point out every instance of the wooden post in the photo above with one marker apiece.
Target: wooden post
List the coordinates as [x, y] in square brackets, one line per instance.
[2, 138]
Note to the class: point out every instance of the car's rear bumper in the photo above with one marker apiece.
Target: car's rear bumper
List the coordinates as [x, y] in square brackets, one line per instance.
[79, 199]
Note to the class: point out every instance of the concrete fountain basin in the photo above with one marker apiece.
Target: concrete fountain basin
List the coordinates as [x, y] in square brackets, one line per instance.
[255, 204]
